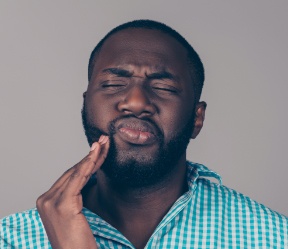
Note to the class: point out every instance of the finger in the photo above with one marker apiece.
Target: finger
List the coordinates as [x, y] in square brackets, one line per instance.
[58, 187]
[103, 154]
[104, 142]
[81, 176]
[63, 177]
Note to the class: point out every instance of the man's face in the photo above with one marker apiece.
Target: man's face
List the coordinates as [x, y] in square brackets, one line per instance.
[141, 95]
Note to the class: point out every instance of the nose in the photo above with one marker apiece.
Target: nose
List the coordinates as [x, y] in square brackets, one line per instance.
[137, 102]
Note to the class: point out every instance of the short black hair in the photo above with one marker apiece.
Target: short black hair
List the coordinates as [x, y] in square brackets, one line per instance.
[196, 66]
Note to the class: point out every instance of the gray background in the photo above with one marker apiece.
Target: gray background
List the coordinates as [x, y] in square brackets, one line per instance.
[44, 52]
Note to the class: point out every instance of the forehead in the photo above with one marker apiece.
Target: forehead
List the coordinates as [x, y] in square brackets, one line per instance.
[143, 48]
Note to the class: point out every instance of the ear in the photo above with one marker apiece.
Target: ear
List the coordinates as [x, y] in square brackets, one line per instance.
[199, 118]
[84, 95]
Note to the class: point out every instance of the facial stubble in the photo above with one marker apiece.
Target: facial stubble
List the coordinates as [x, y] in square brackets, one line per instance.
[141, 171]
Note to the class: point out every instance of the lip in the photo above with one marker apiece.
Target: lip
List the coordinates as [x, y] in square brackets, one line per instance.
[137, 132]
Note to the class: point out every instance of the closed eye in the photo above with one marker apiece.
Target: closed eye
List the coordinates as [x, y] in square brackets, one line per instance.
[164, 88]
[112, 85]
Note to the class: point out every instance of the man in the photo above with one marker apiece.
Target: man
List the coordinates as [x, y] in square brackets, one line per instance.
[135, 189]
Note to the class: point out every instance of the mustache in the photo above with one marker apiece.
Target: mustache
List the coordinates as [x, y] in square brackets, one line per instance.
[93, 132]
[112, 125]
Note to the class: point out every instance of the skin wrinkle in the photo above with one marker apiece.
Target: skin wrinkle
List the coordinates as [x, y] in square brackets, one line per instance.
[159, 79]
[163, 157]
[138, 183]
[125, 73]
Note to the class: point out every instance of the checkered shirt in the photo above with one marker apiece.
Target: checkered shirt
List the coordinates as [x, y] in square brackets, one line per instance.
[209, 215]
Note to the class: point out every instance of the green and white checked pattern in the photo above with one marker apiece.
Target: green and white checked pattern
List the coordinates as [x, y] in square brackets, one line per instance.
[209, 215]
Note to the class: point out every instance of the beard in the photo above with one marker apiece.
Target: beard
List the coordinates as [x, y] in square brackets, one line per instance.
[132, 168]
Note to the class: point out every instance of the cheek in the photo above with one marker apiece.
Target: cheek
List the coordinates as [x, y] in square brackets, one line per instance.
[173, 118]
[100, 111]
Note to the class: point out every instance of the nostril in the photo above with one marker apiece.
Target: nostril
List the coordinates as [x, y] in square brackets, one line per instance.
[136, 102]
[126, 111]
[136, 107]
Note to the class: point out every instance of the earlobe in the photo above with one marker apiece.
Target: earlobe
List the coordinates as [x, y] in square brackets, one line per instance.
[199, 118]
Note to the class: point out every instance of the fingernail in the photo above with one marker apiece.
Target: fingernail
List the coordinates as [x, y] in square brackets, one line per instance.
[101, 138]
[93, 147]
[105, 140]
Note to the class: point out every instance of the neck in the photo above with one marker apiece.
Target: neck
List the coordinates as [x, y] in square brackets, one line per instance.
[133, 210]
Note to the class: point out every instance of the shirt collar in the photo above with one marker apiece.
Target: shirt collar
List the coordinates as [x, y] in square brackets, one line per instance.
[196, 170]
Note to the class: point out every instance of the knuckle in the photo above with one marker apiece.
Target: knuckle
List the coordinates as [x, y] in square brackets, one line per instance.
[84, 160]
[39, 202]
[88, 175]
[67, 171]
[90, 159]
[80, 174]
[43, 204]
[87, 159]
[57, 206]
[41, 199]
[75, 174]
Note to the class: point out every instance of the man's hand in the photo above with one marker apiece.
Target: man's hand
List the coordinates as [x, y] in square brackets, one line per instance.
[60, 207]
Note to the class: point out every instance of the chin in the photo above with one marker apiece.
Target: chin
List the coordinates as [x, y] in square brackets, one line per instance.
[136, 168]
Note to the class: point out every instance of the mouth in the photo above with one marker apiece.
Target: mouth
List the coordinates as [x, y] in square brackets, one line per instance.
[136, 132]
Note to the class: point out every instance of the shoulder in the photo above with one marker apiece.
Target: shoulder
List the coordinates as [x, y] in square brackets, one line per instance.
[241, 214]
[230, 217]
[227, 201]
[233, 200]
[23, 230]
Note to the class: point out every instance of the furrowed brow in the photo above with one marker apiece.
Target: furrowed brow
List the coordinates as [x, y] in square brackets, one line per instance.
[161, 75]
[118, 72]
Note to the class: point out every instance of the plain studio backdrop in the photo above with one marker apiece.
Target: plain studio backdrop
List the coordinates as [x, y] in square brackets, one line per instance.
[45, 46]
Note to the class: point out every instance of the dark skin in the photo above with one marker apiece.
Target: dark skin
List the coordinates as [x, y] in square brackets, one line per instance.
[148, 80]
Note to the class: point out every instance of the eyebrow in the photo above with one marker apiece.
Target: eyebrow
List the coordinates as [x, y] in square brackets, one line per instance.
[161, 75]
[118, 71]
[153, 76]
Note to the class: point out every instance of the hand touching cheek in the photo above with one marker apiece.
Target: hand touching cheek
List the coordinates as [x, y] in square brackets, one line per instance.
[60, 208]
